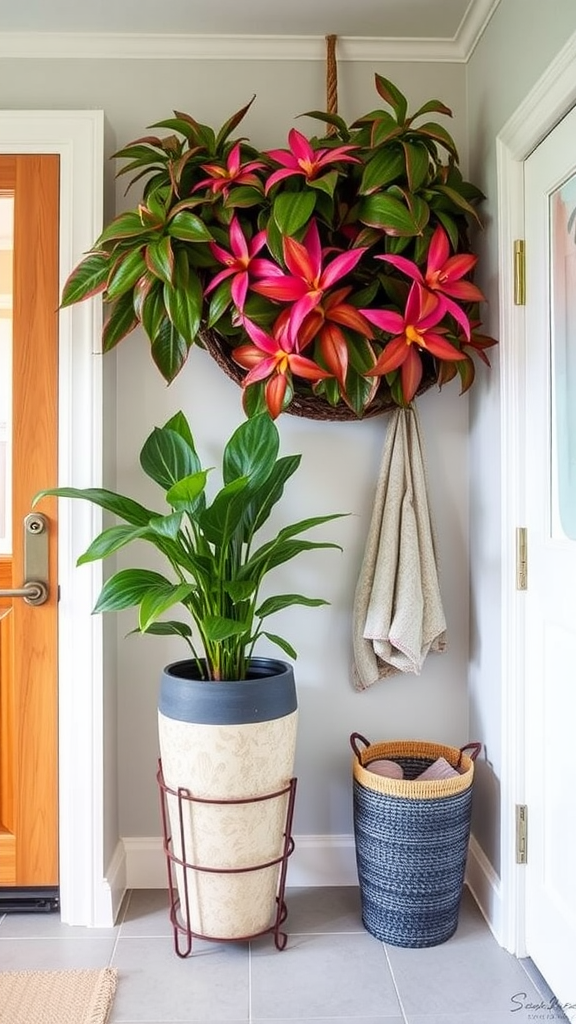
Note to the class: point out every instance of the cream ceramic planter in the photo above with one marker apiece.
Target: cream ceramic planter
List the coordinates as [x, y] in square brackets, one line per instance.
[228, 741]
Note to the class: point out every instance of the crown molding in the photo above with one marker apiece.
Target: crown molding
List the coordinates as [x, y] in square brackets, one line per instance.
[133, 46]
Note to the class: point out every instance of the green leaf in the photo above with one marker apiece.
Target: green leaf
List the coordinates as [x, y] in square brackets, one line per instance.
[184, 298]
[169, 350]
[276, 604]
[439, 134]
[277, 552]
[387, 165]
[87, 279]
[159, 599]
[187, 494]
[432, 107]
[457, 200]
[109, 541]
[160, 259]
[217, 628]
[325, 183]
[263, 500]
[127, 588]
[417, 160]
[292, 210]
[282, 644]
[239, 590]
[392, 95]
[384, 129]
[188, 227]
[251, 451]
[243, 197]
[166, 457]
[334, 119]
[127, 271]
[151, 310]
[118, 504]
[220, 520]
[122, 321]
[232, 123]
[168, 628]
[165, 527]
[385, 212]
[219, 301]
[127, 225]
[179, 423]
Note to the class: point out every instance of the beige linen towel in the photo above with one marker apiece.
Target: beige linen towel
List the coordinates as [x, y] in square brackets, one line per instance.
[398, 616]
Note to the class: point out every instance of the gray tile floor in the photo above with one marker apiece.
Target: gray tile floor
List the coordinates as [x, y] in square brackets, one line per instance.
[331, 972]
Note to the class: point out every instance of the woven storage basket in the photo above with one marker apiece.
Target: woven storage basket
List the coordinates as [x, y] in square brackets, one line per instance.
[411, 840]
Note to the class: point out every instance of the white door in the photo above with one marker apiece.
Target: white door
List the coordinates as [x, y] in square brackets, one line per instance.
[550, 219]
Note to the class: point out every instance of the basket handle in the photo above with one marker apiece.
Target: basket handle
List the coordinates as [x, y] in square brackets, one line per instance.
[472, 749]
[355, 739]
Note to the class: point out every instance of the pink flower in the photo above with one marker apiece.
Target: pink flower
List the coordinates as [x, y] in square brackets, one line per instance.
[302, 159]
[271, 357]
[308, 280]
[233, 173]
[411, 333]
[443, 275]
[239, 262]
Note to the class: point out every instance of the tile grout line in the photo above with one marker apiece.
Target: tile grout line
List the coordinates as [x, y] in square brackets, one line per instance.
[396, 989]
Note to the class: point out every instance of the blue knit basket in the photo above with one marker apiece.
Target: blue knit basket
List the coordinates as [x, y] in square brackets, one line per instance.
[411, 841]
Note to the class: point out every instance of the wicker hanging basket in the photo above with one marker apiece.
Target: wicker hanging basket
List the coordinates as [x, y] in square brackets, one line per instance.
[309, 406]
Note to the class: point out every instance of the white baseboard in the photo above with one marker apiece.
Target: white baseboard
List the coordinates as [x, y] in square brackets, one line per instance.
[110, 893]
[484, 884]
[316, 861]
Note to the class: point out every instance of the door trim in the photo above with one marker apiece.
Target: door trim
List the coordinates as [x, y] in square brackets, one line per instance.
[550, 99]
[77, 137]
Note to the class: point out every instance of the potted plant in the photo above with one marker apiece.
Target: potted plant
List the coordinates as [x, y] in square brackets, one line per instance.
[227, 717]
[331, 278]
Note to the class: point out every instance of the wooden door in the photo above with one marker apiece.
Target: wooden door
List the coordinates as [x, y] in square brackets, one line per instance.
[29, 185]
[550, 218]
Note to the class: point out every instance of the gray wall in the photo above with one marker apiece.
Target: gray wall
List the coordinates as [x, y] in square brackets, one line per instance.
[521, 40]
[340, 461]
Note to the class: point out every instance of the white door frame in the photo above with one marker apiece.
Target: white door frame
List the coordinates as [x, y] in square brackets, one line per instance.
[551, 98]
[77, 138]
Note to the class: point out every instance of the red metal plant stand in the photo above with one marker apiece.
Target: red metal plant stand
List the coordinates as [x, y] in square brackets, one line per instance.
[180, 916]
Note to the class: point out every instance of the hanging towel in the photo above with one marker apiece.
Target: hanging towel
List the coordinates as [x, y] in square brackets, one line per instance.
[398, 616]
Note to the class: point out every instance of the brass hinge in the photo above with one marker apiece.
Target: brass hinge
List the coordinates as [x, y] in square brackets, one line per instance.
[521, 558]
[519, 273]
[521, 833]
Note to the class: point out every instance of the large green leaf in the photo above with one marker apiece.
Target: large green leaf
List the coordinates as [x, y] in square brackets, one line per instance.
[118, 504]
[160, 259]
[251, 451]
[389, 214]
[392, 95]
[109, 541]
[126, 272]
[217, 628]
[159, 599]
[127, 588]
[281, 643]
[417, 160]
[127, 225]
[188, 227]
[264, 499]
[169, 350]
[167, 458]
[168, 628]
[292, 210]
[187, 494]
[385, 166]
[87, 279]
[220, 520]
[276, 553]
[121, 321]
[183, 299]
[276, 604]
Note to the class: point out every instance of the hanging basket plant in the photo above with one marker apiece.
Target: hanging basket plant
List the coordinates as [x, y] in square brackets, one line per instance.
[331, 278]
